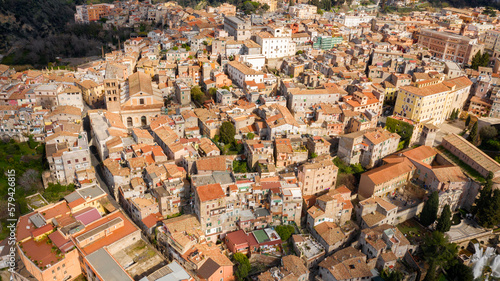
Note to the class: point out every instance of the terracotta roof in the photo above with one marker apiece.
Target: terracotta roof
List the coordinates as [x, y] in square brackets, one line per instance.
[210, 192]
[388, 172]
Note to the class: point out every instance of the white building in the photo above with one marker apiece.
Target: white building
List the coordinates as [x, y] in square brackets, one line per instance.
[240, 73]
[350, 21]
[72, 96]
[276, 42]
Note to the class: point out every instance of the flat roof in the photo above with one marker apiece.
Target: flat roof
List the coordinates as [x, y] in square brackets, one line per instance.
[99, 229]
[107, 268]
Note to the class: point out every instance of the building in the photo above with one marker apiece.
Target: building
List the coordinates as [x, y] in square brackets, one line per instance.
[385, 243]
[303, 11]
[134, 100]
[346, 264]
[237, 27]
[291, 268]
[449, 46]
[367, 147]
[385, 179]
[317, 176]
[182, 93]
[240, 74]
[334, 206]
[67, 154]
[276, 42]
[471, 155]
[375, 211]
[432, 100]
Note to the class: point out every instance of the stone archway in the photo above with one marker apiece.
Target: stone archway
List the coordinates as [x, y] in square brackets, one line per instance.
[144, 121]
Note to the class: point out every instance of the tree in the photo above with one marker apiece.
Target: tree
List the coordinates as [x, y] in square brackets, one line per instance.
[265, 7]
[485, 59]
[444, 221]
[227, 132]
[467, 121]
[488, 132]
[487, 207]
[391, 275]
[460, 272]
[431, 273]
[250, 136]
[197, 94]
[243, 265]
[438, 250]
[429, 212]
[474, 136]
[212, 92]
[239, 166]
[175, 48]
[476, 60]
[314, 155]
[285, 231]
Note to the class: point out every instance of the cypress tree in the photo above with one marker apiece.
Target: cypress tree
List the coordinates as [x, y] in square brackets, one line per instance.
[429, 212]
[444, 221]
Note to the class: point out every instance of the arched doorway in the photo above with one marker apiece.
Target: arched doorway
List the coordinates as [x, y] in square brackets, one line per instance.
[144, 121]
[129, 122]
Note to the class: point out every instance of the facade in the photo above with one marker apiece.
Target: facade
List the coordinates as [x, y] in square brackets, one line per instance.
[276, 42]
[367, 147]
[449, 46]
[317, 177]
[135, 100]
[237, 27]
[432, 100]
[334, 206]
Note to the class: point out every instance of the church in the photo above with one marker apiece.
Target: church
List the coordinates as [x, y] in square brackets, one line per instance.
[134, 99]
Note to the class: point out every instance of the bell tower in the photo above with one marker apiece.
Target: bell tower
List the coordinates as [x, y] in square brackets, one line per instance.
[112, 95]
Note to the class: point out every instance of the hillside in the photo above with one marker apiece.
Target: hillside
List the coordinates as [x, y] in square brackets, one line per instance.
[36, 32]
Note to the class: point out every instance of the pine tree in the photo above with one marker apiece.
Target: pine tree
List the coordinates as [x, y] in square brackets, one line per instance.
[444, 221]
[476, 60]
[467, 121]
[429, 212]
[431, 273]
[474, 135]
[485, 59]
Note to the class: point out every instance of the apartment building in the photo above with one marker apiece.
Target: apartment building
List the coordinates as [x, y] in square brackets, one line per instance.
[238, 27]
[67, 154]
[259, 151]
[385, 179]
[318, 146]
[289, 152]
[385, 243]
[301, 99]
[367, 147]
[317, 176]
[241, 73]
[334, 206]
[449, 46]
[346, 264]
[70, 96]
[375, 211]
[432, 100]
[276, 42]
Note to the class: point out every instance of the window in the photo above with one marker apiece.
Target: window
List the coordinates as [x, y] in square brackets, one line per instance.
[141, 101]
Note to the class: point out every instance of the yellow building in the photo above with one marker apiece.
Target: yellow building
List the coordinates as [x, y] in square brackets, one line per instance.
[432, 100]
